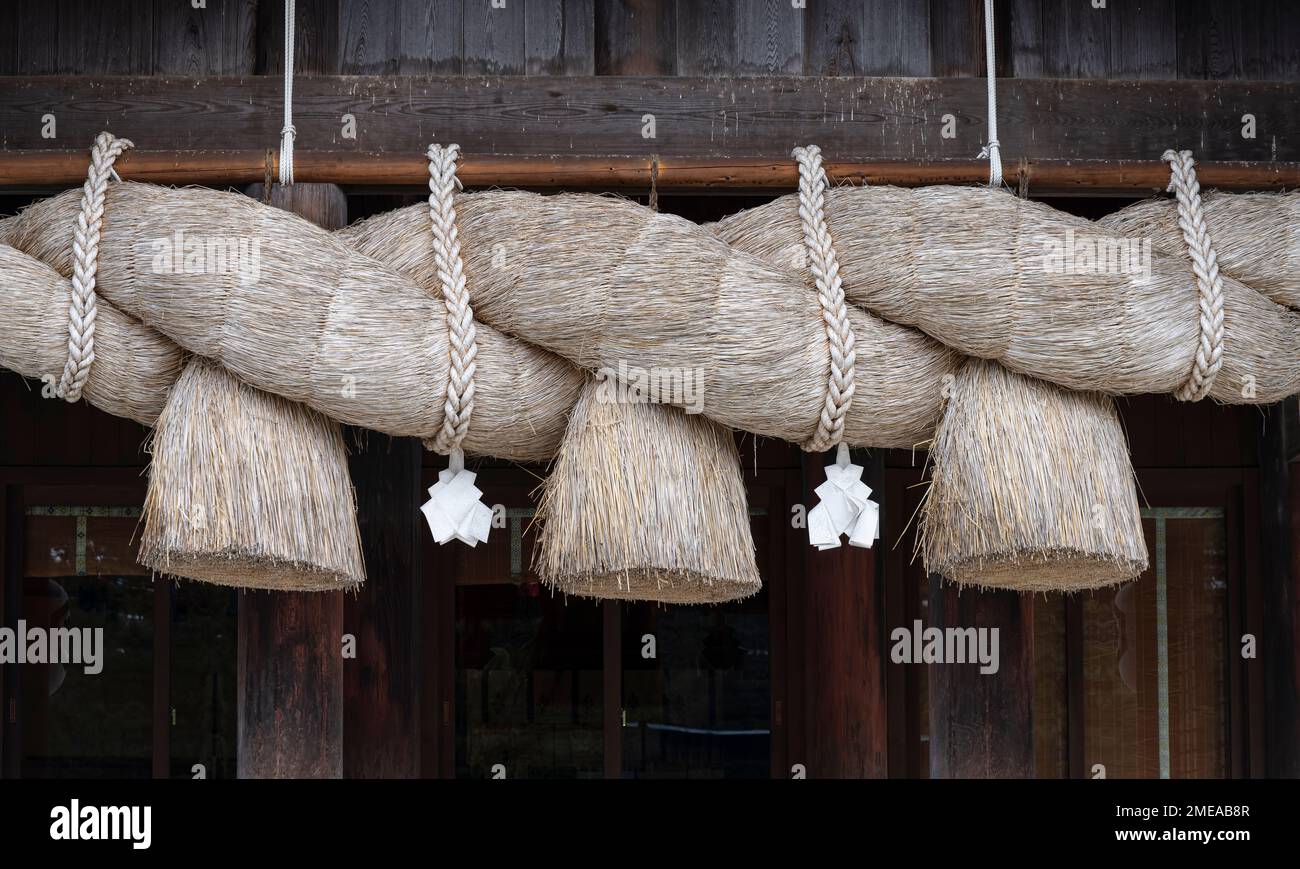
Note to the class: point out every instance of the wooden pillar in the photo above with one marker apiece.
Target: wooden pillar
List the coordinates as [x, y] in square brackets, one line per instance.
[381, 686]
[290, 705]
[842, 603]
[982, 725]
[1279, 596]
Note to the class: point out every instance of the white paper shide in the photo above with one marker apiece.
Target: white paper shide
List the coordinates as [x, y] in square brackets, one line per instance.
[845, 507]
[454, 509]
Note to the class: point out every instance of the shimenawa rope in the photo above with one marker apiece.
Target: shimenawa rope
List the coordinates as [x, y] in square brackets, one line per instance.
[1205, 265]
[83, 306]
[830, 294]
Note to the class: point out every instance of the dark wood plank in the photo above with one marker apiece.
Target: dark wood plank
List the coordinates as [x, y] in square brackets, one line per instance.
[850, 118]
[107, 38]
[494, 38]
[560, 37]
[1076, 39]
[1280, 601]
[1144, 39]
[216, 40]
[896, 38]
[1025, 46]
[401, 36]
[982, 725]
[381, 686]
[1254, 39]
[316, 37]
[636, 37]
[706, 37]
[769, 38]
[833, 42]
[957, 38]
[843, 598]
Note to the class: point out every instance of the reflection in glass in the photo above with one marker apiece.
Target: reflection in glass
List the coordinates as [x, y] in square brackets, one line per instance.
[528, 684]
[80, 572]
[701, 706]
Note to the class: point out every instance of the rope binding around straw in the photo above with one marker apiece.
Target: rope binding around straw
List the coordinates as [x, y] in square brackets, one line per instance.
[1205, 265]
[454, 508]
[83, 308]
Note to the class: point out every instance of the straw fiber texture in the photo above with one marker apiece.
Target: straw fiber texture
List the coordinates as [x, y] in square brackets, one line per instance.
[134, 365]
[247, 489]
[1032, 488]
[645, 502]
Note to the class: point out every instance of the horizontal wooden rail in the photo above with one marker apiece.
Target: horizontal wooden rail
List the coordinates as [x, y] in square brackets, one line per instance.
[36, 170]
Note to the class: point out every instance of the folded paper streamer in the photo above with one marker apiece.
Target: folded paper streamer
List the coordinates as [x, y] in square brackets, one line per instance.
[845, 507]
[454, 508]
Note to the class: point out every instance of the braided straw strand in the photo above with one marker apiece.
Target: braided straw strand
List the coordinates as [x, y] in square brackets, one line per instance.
[461, 332]
[1205, 265]
[825, 269]
[84, 307]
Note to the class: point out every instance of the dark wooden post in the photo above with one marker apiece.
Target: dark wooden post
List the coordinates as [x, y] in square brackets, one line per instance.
[381, 686]
[1280, 598]
[842, 600]
[982, 725]
[290, 643]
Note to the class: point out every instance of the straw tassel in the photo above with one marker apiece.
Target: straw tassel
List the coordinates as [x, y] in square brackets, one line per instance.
[845, 507]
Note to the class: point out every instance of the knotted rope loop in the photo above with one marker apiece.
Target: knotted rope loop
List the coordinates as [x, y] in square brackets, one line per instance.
[1205, 265]
[825, 269]
[287, 131]
[460, 316]
[993, 150]
[85, 263]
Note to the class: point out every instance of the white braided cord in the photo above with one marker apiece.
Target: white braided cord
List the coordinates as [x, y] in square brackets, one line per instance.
[1205, 265]
[993, 150]
[461, 332]
[825, 267]
[84, 303]
[288, 131]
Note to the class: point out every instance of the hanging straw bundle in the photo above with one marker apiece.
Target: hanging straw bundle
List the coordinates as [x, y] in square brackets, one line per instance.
[645, 502]
[248, 489]
[1032, 488]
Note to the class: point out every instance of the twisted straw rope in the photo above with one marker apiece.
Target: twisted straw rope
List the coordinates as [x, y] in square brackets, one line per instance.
[830, 293]
[1205, 265]
[84, 305]
[461, 332]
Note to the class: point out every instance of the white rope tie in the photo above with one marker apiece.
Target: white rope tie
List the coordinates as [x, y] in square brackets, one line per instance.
[288, 131]
[993, 150]
[84, 305]
[460, 316]
[830, 293]
[1205, 265]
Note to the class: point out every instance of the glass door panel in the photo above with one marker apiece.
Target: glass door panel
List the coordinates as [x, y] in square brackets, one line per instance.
[80, 573]
[528, 684]
[1156, 694]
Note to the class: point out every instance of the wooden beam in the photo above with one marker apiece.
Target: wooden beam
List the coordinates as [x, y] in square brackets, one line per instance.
[290, 705]
[850, 118]
[843, 606]
[982, 725]
[381, 686]
[52, 170]
[1277, 649]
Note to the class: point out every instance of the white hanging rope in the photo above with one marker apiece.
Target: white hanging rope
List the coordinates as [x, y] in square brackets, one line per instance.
[460, 316]
[84, 305]
[287, 132]
[1205, 265]
[830, 293]
[992, 150]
